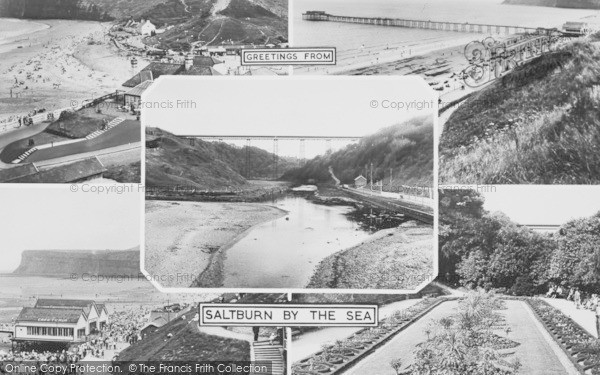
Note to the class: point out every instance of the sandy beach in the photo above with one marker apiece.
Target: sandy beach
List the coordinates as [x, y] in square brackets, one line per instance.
[398, 258]
[183, 238]
[20, 291]
[58, 66]
[439, 64]
[391, 59]
[11, 28]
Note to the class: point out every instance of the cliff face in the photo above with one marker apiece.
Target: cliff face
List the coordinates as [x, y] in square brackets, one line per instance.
[65, 263]
[577, 4]
[53, 9]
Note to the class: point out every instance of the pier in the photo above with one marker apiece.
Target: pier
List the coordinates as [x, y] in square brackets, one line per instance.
[315, 15]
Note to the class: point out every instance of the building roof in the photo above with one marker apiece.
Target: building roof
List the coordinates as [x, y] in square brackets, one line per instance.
[73, 304]
[146, 23]
[200, 71]
[361, 177]
[139, 89]
[10, 174]
[154, 70]
[206, 61]
[157, 322]
[66, 173]
[63, 303]
[52, 315]
[100, 307]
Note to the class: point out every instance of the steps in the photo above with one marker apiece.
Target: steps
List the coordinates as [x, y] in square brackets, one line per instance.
[24, 155]
[110, 125]
[265, 352]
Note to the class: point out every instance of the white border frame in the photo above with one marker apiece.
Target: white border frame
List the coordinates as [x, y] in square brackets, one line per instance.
[222, 290]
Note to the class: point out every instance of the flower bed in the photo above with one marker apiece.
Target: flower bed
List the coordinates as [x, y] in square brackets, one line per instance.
[343, 353]
[577, 343]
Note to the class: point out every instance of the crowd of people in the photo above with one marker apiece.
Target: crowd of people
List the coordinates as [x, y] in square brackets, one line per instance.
[581, 299]
[123, 329]
[19, 357]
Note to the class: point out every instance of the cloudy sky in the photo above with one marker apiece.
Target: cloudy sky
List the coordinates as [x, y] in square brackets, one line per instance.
[54, 218]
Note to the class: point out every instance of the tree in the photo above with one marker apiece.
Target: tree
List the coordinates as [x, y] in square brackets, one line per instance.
[577, 258]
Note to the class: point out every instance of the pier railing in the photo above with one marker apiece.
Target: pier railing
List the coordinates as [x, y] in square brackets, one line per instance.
[421, 24]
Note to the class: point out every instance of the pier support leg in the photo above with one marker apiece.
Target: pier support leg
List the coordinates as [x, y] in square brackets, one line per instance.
[302, 155]
[275, 158]
[248, 144]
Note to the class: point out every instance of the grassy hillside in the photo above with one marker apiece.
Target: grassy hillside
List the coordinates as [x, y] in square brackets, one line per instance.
[538, 124]
[242, 21]
[99, 10]
[180, 340]
[206, 165]
[406, 148]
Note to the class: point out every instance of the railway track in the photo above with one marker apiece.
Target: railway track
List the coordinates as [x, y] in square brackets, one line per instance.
[422, 214]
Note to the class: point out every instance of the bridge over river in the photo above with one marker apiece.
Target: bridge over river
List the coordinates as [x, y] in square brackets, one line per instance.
[316, 15]
[301, 139]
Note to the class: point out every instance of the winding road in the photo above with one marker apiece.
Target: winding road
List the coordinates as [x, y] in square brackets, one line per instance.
[126, 133]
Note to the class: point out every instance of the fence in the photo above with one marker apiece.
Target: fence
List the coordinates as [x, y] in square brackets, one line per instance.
[55, 115]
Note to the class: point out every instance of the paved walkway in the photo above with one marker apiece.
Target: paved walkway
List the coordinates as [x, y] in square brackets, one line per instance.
[585, 318]
[402, 345]
[312, 342]
[18, 134]
[126, 133]
[118, 155]
[537, 352]
[21, 133]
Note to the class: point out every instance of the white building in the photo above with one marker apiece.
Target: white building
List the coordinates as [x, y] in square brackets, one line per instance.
[147, 28]
[60, 320]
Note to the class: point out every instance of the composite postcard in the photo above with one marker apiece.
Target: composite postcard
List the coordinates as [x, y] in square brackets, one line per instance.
[300, 187]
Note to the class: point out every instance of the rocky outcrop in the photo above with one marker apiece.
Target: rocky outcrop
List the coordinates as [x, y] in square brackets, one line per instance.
[577, 4]
[68, 262]
[53, 9]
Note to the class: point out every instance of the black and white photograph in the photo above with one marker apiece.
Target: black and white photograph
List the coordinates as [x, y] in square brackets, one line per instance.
[517, 293]
[301, 187]
[72, 75]
[74, 293]
[517, 79]
[331, 181]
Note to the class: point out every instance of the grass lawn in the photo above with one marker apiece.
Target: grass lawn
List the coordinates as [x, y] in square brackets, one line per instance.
[71, 125]
[78, 124]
